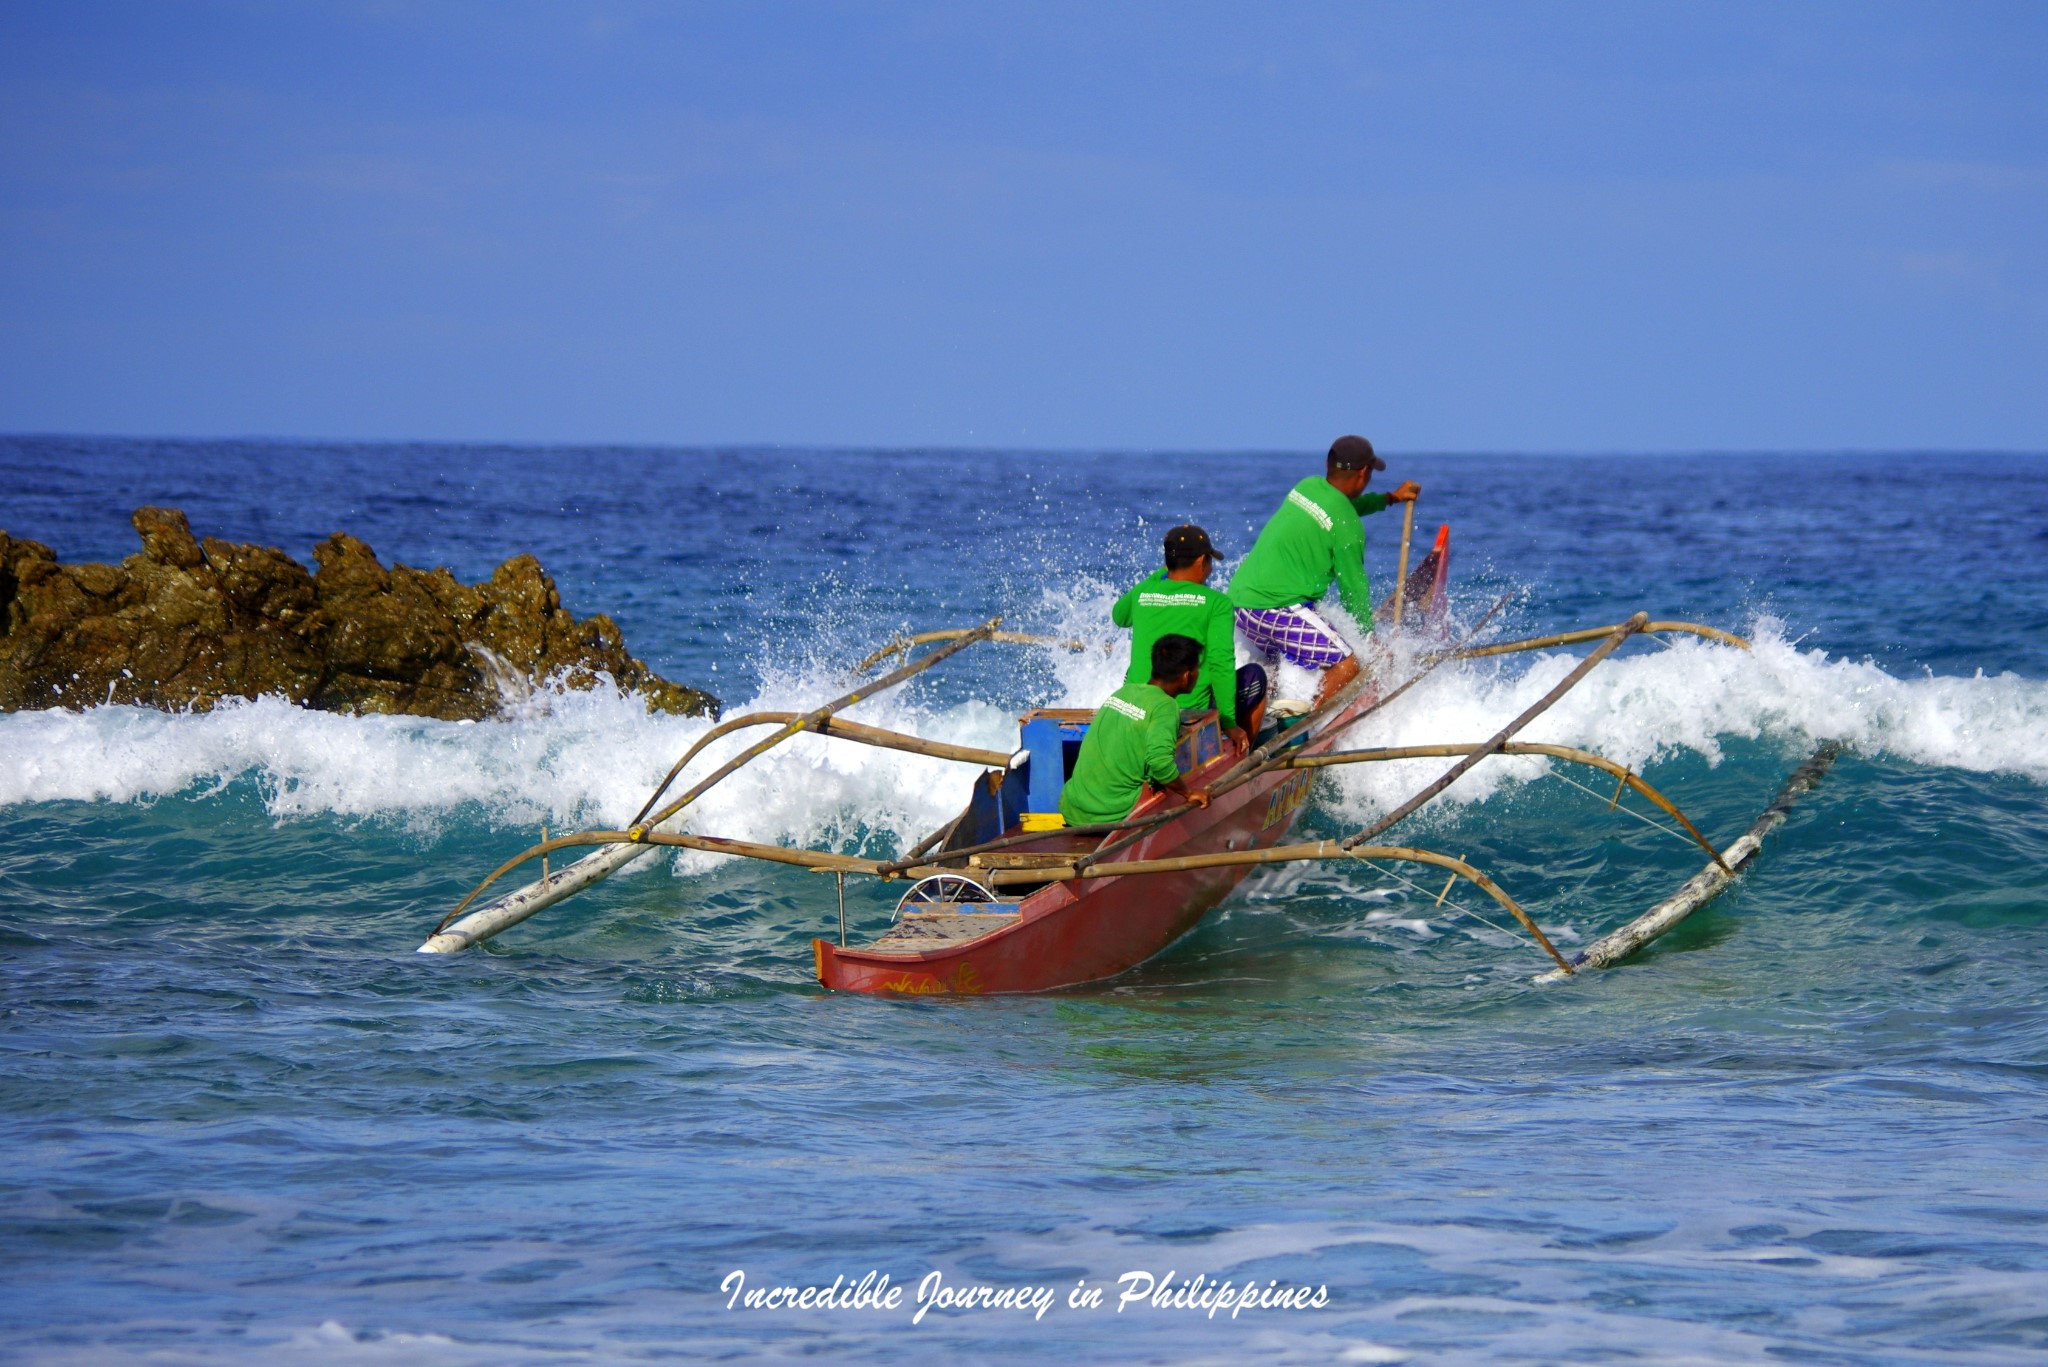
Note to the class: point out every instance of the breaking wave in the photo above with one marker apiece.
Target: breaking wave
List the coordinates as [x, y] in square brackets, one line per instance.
[590, 758]
[1692, 697]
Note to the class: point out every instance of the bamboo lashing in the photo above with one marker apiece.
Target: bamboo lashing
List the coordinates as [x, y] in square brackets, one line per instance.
[1710, 882]
[1401, 575]
[1607, 647]
[1624, 777]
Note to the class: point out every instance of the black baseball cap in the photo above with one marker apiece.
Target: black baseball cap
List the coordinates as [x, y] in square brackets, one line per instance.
[1354, 453]
[1187, 543]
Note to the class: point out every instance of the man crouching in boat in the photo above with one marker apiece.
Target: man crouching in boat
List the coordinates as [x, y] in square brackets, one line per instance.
[1177, 601]
[1130, 742]
[1314, 539]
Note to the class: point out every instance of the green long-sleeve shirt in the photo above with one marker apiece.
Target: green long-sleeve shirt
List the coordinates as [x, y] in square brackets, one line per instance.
[1158, 607]
[1130, 741]
[1313, 541]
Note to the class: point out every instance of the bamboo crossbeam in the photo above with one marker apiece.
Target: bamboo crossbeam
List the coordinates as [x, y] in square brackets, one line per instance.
[1015, 638]
[748, 849]
[1285, 854]
[1565, 685]
[1014, 859]
[818, 720]
[509, 911]
[1567, 638]
[1565, 752]
[804, 722]
[841, 729]
[1710, 882]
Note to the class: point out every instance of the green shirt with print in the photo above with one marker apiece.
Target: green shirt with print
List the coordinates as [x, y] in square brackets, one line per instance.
[1130, 741]
[1313, 541]
[1160, 606]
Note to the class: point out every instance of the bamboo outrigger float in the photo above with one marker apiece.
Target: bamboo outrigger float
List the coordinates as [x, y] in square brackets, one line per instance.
[1000, 902]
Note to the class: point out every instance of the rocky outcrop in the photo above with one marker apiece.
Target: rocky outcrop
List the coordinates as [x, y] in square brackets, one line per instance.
[185, 623]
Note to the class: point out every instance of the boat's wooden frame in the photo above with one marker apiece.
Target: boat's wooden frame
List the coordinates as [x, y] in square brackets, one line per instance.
[1093, 902]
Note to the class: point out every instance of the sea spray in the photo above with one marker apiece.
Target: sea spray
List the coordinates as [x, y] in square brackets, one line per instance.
[590, 758]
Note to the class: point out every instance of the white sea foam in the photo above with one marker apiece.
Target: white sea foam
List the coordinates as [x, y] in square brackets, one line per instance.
[591, 758]
[1692, 696]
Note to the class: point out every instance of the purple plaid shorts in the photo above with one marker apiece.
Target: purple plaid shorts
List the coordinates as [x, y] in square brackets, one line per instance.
[1297, 633]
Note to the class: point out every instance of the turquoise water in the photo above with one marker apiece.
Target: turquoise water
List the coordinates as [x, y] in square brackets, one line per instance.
[244, 1118]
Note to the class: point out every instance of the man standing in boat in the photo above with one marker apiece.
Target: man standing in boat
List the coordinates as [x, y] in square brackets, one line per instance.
[1315, 539]
[1130, 742]
[1177, 601]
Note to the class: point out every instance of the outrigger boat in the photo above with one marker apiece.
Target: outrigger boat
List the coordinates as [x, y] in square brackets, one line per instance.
[1005, 899]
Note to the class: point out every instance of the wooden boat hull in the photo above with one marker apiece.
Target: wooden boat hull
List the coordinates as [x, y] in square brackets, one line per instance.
[1090, 929]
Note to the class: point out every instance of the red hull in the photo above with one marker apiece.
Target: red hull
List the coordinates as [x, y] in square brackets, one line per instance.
[1096, 928]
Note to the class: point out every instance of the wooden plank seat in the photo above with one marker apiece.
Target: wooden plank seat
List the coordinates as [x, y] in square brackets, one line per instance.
[917, 931]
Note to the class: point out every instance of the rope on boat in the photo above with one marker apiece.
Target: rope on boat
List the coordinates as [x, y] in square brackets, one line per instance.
[1607, 647]
[1613, 806]
[1626, 777]
[1457, 908]
[1710, 882]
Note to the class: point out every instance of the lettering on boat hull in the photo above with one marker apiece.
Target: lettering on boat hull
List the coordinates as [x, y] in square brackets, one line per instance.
[1286, 799]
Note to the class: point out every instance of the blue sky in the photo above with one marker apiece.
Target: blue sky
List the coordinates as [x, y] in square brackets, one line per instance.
[1179, 226]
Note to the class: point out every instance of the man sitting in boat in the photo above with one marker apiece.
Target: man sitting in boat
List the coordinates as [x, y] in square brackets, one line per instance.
[1314, 539]
[1130, 742]
[1177, 601]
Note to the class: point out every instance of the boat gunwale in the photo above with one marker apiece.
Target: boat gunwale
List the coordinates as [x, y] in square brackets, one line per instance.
[1058, 896]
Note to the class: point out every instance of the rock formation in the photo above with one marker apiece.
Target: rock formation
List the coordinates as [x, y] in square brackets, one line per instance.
[184, 624]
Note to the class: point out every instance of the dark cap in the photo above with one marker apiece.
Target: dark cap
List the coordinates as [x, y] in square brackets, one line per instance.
[1354, 453]
[1185, 545]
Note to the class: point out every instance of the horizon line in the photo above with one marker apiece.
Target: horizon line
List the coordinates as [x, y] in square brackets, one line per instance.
[915, 448]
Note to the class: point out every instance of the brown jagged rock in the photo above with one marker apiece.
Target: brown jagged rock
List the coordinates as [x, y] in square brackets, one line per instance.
[184, 624]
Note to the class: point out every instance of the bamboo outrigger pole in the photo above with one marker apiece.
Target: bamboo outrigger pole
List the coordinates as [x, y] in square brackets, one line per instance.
[453, 935]
[1710, 882]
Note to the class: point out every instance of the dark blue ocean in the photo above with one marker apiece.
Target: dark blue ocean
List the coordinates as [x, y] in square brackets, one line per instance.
[243, 1120]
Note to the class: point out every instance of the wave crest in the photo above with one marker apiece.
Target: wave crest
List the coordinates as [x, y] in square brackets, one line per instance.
[590, 758]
